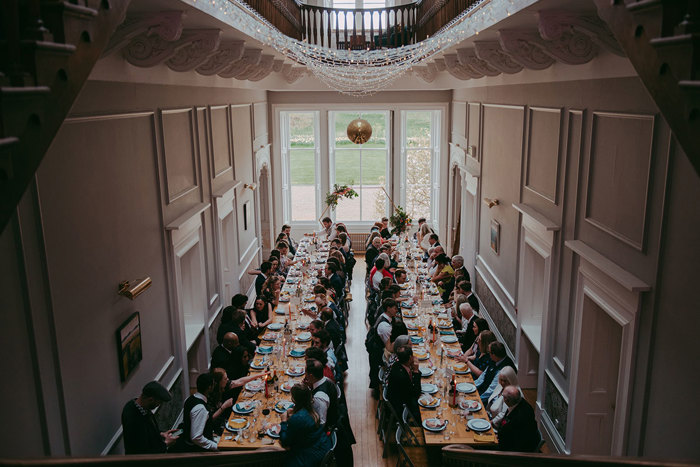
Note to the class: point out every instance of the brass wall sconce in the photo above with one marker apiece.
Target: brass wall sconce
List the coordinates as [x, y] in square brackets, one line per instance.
[131, 290]
[252, 186]
[491, 202]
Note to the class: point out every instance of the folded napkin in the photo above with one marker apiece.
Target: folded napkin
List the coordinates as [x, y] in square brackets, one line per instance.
[484, 438]
[446, 333]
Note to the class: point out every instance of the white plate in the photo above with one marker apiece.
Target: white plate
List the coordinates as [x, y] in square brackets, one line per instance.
[303, 337]
[296, 353]
[280, 311]
[287, 387]
[291, 372]
[470, 405]
[274, 431]
[426, 371]
[428, 388]
[255, 385]
[428, 424]
[425, 356]
[275, 326]
[254, 365]
[479, 424]
[283, 406]
[244, 407]
[229, 428]
[466, 388]
[265, 349]
[448, 339]
[271, 336]
[424, 401]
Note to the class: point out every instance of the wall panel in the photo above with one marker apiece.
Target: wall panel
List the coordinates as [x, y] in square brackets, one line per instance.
[222, 159]
[542, 158]
[501, 163]
[618, 175]
[179, 152]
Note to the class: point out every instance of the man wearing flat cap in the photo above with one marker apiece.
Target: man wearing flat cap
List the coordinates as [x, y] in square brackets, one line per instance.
[141, 432]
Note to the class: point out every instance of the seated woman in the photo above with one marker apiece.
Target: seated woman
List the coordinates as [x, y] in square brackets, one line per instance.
[478, 325]
[345, 242]
[495, 406]
[443, 276]
[271, 291]
[240, 368]
[301, 432]
[478, 363]
[260, 315]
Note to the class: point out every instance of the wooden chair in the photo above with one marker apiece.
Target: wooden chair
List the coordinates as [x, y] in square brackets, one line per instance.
[410, 453]
[329, 458]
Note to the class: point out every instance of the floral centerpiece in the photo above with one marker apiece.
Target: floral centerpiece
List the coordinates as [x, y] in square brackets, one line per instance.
[400, 221]
[339, 191]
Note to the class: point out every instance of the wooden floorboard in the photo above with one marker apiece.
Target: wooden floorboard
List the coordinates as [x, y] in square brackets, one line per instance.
[361, 405]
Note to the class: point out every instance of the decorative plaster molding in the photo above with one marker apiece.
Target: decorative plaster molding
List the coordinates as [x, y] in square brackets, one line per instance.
[196, 52]
[426, 73]
[227, 53]
[292, 74]
[554, 23]
[468, 58]
[165, 24]
[251, 57]
[456, 69]
[260, 71]
[492, 53]
[440, 64]
[517, 45]
[147, 51]
[277, 65]
[570, 47]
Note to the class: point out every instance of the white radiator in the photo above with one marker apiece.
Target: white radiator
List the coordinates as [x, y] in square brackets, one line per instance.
[358, 241]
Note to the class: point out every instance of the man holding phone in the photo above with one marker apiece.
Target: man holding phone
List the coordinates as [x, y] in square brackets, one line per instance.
[141, 432]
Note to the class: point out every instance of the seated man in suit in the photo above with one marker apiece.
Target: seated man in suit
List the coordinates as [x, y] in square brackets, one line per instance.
[487, 382]
[403, 387]
[221, 357]
[518, 430]
[262, 277]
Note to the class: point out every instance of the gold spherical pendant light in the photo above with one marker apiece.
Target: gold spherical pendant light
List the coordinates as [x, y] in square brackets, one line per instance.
[359, 131]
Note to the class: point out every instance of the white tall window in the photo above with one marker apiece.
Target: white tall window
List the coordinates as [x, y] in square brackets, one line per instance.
[420, 149]
[364, 167]
[300, 164]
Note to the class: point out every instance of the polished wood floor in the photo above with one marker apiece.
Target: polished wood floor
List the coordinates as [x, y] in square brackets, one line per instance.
[361, 405]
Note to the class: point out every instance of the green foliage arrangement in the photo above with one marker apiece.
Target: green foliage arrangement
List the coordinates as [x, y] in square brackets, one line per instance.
[400, 221]
[339, 191]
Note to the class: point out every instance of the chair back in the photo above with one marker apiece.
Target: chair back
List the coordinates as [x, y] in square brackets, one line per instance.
[404, 460]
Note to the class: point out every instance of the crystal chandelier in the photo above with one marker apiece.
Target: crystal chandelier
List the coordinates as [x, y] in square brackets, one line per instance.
[362, 72]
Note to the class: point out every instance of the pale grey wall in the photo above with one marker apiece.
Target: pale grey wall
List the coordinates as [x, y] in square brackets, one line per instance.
[129, 160]
[572, 133]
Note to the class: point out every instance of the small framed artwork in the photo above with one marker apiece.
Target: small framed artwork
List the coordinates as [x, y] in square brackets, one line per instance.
[495, 236]
[129, 345]
[246, 213]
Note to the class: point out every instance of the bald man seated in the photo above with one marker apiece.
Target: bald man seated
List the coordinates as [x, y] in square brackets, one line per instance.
[518, 430]
[221, 357]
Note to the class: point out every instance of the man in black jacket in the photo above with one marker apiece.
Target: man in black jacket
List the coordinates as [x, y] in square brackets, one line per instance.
[372, 252]
[404, 387]
[332, 326]
[262, 277]
[221, 357]
[518, 429]
[141, 432]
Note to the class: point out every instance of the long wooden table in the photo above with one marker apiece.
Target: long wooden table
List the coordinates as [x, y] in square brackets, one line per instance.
[427, 311]
[279, 360]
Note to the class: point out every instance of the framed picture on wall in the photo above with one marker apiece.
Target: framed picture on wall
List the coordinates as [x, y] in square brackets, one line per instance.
[495, 236]
[129, 345]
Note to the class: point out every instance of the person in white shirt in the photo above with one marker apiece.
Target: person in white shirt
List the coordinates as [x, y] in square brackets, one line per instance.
[197, 427]
[378, 274]
[495, 406]
[391, 308]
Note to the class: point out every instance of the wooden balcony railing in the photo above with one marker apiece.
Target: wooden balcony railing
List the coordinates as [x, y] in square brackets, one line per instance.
[285, 15]
[358, 28]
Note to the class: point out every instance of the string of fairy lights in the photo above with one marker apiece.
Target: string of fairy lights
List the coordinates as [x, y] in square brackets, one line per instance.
[363, 72]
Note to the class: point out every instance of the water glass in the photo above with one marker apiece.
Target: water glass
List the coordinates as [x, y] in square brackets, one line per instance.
[245, 433]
